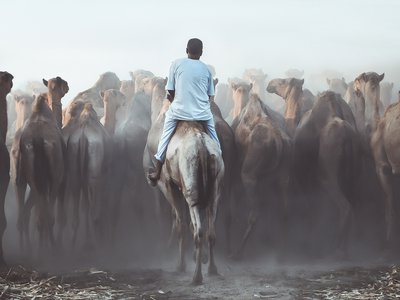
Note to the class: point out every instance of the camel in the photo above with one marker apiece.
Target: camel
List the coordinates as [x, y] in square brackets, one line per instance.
[106, 81]
[58, 87]
[263, 149]
[25, 161]
[88, 149]
[141, 78]
[337, 85]
[368, 85]
[240, 94]
[22, 104]
[386, 93]
[256, 78]
[192, 174]
[40, 164]
[297, 102]
[113, 101]
[326, 145]
[128, 89]
[383, 137]
[5, 87]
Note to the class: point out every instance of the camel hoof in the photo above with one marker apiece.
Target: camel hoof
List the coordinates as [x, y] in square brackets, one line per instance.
[181, 269]
[212, 271]
[197, 280]
[237, 256]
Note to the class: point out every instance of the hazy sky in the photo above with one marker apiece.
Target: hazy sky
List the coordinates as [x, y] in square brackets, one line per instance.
[79, 40]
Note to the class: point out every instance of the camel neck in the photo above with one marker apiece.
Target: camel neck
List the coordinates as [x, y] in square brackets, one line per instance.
[110, 119]
[3, 118]
[56, 106]
[293, 109]
[239, 103]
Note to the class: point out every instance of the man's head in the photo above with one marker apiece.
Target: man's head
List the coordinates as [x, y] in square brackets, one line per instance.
[194, 48]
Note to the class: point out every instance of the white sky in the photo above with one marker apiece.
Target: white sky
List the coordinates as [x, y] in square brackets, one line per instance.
[78, 40]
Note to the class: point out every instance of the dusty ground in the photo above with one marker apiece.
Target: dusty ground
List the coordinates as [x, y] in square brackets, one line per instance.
[237, 281]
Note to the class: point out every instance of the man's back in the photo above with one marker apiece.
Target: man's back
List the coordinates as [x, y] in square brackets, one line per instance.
[192, 82]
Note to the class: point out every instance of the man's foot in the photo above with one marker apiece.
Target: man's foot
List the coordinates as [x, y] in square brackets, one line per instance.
[154, 174]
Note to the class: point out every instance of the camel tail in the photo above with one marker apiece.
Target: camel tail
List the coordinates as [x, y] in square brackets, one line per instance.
[83, 158]
[41, 166]
[205, 175]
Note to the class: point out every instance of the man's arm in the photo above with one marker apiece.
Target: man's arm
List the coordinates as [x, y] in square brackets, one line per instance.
[170, 95]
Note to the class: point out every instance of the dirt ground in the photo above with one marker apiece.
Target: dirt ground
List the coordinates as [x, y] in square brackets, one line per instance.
[236, 281]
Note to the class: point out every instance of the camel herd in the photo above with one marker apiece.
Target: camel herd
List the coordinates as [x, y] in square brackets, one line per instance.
[78, 162]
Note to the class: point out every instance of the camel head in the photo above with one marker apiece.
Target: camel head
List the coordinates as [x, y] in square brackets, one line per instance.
[73, 111]
[368, 82]
[128, 88]
[113, 99]
[6, 83]
[106, 81]
[337, 85]
[57, 86]
[141, 80]
[88, 114]
[285, 87]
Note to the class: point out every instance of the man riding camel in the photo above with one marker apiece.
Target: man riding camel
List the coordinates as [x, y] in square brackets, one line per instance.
[190, 86]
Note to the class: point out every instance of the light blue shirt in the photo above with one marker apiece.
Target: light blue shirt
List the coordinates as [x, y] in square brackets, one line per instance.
[193, 84]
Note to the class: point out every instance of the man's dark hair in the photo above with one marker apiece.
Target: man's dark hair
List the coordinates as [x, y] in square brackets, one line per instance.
[195, 46]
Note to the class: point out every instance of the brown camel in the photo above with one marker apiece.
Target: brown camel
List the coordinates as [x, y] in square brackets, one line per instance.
[192, 174]
[240, 95]
[40, 165]
[88, 148]
[263, 149]
[297, 102]
[25, 168]
[326, 145]
[337, 85]
[5, 87]
[58, 87]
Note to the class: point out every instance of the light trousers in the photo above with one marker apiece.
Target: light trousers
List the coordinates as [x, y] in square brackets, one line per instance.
[169, 128]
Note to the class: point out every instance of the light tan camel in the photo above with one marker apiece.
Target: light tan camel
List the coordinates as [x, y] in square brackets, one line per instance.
[384, 141]
[297, 103]
[113, 101]
[106, 81]
[5, 87]
[257, 79]
[192, 175]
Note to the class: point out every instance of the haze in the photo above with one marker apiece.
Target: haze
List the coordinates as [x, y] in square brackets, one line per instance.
[78, 40]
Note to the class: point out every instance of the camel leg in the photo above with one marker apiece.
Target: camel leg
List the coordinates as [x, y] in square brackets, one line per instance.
[75, 198]
[386, 182]
[174, 197]
[61, 215]
[252, 197]
[20, 191]
[4, 181]
[211, 215]
[198, 220]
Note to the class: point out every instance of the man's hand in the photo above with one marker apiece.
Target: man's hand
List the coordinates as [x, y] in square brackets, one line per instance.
[170, 95]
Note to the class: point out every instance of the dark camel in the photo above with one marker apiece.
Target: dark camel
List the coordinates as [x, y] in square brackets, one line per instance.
[5, 87]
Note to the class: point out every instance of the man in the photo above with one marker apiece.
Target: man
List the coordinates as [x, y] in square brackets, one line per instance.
[190, 86]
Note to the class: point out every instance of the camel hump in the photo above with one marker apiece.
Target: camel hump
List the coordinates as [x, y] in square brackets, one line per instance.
[185, 126]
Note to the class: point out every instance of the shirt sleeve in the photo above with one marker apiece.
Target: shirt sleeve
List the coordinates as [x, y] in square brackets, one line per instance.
[171, 78]
[210, 90]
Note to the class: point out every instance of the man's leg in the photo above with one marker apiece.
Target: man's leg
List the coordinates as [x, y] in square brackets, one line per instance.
[212, 132]
[168, 131]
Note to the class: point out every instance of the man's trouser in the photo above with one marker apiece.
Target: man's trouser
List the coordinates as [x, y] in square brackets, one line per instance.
[168, 131]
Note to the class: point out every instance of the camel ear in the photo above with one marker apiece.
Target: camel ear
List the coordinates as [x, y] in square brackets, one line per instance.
[381, 77]
[363, 76]
[234, 86]
[45, 82]
[251, 86]
[328, 81]
[16, 98]
[102, 94]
